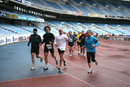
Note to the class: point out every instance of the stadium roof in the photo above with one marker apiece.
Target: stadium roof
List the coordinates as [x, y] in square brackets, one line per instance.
[126, 0]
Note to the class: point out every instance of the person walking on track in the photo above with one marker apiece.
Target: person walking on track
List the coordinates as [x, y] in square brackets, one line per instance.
[71, 41]
[48, 39]
[35, 41]
[60, 42]
[91, 43]
[82, 39]
[78, 42]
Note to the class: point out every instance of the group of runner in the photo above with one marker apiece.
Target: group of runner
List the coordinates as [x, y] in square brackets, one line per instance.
[81, 40]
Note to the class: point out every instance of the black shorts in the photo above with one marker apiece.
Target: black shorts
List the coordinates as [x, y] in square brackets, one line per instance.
[81, 44]
[60, 51]
[71, 44]
[78, 43]
[91, 56]
[35, 50]
[47, 50]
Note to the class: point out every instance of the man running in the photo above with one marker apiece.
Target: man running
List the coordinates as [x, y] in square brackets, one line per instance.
[75, 37]
[35, 40]
[91, 43]
[48, 39]
[78, 42]
[82, 39]
[60, 42]
[71, 41]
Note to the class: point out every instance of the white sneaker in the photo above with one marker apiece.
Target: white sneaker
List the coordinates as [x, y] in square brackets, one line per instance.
[45, 68]
[90, 71]
[33, 68]
[70, 54]
[81, 54]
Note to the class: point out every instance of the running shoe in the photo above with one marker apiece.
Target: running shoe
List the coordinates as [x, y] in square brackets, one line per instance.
[90, 71]
[81, 54]
[70, 54]
[33, 68]
[45, 68]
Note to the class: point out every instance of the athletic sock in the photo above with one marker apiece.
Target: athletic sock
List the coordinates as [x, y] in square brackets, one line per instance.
[46, 65]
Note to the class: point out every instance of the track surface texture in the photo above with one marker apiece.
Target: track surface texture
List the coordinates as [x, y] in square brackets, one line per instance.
[113, 69]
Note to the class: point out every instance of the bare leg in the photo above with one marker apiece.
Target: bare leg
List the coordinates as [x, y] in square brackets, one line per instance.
[33, 59]
[39, 56]
[90, 65]
[81, 48]
[83, 51]
[46, 57]
[70, 49]
[61, 59]
[52, 54]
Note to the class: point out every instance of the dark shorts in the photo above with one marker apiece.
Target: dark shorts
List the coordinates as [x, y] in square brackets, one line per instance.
[71, 44]
[91, 56]
[78, 43]
[47, 50]
[35, 50]
[81, 44]
[60, 51]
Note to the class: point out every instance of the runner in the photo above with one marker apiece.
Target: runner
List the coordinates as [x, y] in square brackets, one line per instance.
[78, 42]
[91, 43]
[82, 39]
[60, 42]
[48, 39]
[71, 41]
[75, 37]
[35, 40]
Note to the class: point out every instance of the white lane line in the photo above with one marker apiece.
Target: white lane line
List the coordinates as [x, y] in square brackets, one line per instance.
[114, 62]
[80, 80]
[101, 73]
[110, 67]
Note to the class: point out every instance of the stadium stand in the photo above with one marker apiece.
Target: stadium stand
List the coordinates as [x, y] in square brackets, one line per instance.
[99, 8]
[76, 7]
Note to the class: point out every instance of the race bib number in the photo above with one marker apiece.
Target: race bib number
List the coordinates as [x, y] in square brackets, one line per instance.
[62, 48]
[71, 40]
[49, 46]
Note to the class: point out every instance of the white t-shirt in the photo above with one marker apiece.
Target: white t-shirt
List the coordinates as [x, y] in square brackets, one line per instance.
[61, 41]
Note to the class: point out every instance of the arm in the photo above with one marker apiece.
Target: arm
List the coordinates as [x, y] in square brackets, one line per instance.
[80, 38]
[74, 39]
[53, 38]
[43, 39]
[55, 41]
[66, 38]
[29, 41]
[40, 41]
[85, 45]
[96, 42]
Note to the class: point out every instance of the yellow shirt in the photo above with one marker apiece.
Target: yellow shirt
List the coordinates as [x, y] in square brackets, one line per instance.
[78, 35]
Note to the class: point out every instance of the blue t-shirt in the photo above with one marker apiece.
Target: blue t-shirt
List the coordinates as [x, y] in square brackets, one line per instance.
[88, 44]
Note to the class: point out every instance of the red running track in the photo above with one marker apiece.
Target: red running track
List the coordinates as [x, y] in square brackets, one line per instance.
[113, 69]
